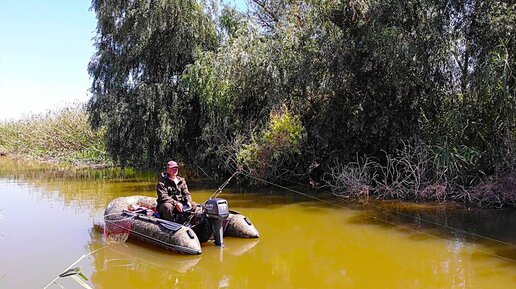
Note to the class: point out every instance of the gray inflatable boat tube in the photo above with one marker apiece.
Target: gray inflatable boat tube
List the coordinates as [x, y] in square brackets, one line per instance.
[165, 234]
[168, 235]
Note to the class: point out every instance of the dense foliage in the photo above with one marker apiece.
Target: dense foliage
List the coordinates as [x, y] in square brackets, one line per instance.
[142, 49]
[292, 89]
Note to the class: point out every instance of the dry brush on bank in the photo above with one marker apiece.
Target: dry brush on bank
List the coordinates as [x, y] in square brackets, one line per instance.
[418, 173]
[63, 135]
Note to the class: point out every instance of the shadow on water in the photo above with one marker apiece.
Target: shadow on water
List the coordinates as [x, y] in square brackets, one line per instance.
[491, 228]
[487, 227]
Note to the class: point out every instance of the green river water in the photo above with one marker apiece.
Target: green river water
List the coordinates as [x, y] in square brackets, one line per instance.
[50, 217]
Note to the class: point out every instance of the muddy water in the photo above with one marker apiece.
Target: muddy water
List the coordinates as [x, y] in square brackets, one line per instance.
[48, 218]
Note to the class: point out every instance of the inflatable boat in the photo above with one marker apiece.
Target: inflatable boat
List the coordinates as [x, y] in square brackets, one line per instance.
[136, 217]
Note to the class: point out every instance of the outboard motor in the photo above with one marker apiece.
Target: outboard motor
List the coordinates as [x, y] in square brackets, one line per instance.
[217, 211]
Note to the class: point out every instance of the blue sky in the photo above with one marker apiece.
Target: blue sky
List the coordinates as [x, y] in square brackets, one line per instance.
[45, 47]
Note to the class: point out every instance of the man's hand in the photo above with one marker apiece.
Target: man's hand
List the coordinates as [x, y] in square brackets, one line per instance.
[179, 206]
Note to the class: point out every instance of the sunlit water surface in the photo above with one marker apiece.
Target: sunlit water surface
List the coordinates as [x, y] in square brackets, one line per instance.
[48, 217]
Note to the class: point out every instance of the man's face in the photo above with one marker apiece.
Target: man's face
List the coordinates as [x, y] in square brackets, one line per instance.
[172, 170]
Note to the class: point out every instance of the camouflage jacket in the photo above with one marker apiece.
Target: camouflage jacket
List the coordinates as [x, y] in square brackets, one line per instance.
[169, 192]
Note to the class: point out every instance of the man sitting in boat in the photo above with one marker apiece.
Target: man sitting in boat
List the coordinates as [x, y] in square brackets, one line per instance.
[173, 194]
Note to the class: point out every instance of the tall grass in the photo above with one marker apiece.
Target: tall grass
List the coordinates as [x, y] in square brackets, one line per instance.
[62, 135]
[434, 173]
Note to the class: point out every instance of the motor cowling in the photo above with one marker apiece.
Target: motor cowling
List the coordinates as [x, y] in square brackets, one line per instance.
[216, 208]
[217, 211]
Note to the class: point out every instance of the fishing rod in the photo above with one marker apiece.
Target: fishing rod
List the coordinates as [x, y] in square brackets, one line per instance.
[219, 190]
[54, 281]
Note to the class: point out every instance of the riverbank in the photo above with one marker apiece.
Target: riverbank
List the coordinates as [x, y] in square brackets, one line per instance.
[65, 137]
[413, 175]
[492, 193]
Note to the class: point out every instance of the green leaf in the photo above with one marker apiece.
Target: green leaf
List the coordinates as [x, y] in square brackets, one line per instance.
[81, 282]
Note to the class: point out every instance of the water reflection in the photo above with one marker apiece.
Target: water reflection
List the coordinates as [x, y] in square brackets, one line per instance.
[488, 227]
[22, 169]
[79, 188]
[240, 247]
[134, 264]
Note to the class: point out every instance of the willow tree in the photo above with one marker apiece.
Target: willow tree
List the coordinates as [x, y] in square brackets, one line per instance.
[143, 48]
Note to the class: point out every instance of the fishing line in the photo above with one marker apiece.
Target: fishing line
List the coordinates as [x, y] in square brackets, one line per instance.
[412, 217]
[439, 238]
[446, 226]
[394, 224]
[74, 263]
[399, 213]
[294, 191]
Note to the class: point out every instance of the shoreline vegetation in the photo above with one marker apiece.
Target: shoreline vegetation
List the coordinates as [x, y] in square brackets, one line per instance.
[64, 137]
[365, 98]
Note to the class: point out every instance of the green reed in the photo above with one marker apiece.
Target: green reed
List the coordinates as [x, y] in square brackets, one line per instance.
[62, 135]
